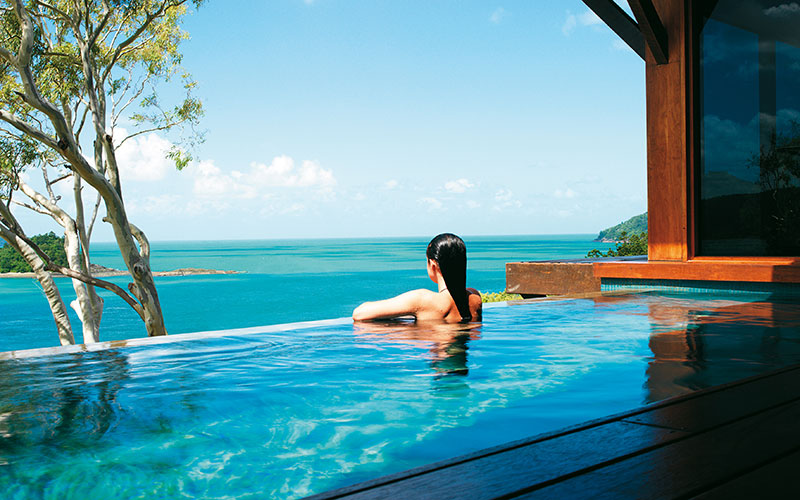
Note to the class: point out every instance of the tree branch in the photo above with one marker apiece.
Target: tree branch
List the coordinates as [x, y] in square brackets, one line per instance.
[94, 216]
[147, 130]
[53, 267]
[55, 9]
[28, 129]
[8, 56]
[143, 243]
[124, 44]
[31, 207]
[101, 27]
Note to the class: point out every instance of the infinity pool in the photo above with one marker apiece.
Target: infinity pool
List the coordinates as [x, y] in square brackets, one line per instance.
[284, 412]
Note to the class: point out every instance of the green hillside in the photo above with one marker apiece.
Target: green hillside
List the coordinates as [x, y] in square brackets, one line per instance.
[634, 225]
[12, 262]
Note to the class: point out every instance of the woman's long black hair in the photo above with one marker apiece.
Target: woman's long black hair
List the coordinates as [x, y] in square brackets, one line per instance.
[449, 251]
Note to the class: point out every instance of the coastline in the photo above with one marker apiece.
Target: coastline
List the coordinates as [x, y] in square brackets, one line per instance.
[108, 273]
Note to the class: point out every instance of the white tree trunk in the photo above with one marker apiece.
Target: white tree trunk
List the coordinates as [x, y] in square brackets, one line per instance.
[89, 311]
[49, 287]
[88, 305]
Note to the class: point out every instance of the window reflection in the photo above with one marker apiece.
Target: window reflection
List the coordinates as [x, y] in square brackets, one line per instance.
[695, 347]
[749, 101]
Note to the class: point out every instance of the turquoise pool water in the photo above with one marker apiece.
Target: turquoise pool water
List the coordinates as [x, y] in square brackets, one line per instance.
[285, 412]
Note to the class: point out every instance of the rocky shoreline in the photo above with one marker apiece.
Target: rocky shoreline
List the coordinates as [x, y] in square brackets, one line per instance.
[106, 272]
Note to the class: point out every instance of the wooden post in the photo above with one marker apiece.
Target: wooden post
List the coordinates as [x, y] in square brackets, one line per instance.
[668, 140]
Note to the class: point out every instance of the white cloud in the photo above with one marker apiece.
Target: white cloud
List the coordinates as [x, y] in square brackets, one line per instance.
[155, 204]
[498, 15]
[143, 158]
[293, 209]
[589, 18]
[618, 44]
[282, 173]
[503, 195]
[473, 204]
[391, 184]
[505, 199]
[211, 181]
[586, 18]
[458, 185]
[567, 193]
[431, 203]
[214, 207]
[783, 10]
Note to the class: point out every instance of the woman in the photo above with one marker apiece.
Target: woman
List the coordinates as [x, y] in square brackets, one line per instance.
[454, 302]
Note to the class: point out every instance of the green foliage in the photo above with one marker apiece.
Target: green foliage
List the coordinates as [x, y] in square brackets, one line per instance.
[635, 244]
[15, 155]
[180, 157]
[12, 262]
[499, 297]
[134, 52]
[634, 225]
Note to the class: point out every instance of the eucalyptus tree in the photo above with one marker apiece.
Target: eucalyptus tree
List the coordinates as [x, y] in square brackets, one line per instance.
[14, 155]
[71, 71]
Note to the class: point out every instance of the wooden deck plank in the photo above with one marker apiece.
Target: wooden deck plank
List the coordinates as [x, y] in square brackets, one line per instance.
[507, 471]
[692, 465]
[720, 407]
[650, 438]
[777, 479]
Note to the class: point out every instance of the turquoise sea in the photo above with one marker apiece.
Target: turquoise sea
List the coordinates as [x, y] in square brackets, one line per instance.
[281, 281]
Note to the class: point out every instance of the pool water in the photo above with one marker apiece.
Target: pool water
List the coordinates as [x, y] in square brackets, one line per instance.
[288, 412]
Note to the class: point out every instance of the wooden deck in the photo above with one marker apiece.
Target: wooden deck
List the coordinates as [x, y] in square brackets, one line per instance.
[740, 440]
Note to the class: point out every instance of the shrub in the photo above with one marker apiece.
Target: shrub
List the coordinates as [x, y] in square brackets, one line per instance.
[499, 296]
[635, 244]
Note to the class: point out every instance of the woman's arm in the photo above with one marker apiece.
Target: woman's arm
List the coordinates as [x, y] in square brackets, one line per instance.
[404, 304]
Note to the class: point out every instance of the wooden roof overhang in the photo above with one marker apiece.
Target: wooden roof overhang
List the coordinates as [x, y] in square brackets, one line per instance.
[647, 29]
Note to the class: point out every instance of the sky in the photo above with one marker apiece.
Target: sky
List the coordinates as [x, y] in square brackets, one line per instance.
[345, 118]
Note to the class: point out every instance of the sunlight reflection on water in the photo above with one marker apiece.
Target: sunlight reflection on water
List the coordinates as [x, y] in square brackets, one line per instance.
[287, 413]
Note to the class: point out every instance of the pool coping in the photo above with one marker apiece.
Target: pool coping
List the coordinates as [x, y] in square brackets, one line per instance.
[300, 325]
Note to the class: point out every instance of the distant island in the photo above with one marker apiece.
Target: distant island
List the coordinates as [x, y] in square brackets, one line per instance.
[13, 265]
[634, 225]
[105, 272]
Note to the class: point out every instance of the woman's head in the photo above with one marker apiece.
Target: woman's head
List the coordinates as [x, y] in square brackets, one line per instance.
[450, 254]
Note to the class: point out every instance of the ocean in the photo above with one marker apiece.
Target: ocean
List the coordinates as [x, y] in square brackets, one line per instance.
[281, 281]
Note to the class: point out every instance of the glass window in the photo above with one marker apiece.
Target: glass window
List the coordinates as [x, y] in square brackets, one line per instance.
[749, 122]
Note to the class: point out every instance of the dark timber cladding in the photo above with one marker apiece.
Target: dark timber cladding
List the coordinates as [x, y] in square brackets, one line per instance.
[739, 440]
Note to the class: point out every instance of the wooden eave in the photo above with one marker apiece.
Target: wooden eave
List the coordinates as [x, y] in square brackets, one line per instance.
[652, 28]
[619, 22]
[646, 30]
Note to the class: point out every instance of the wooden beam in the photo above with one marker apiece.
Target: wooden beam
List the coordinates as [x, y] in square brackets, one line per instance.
[703, 270]
[651, 28]
[619, 22]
